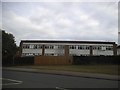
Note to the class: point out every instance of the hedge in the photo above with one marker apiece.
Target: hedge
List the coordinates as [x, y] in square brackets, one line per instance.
[77, 60]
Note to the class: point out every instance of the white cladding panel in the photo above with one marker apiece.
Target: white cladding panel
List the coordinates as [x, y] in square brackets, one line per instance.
[56, 51]
[31, 50]
[79, 52]
[101, 52]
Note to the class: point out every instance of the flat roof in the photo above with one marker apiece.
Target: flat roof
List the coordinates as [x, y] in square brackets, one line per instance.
[59, 41]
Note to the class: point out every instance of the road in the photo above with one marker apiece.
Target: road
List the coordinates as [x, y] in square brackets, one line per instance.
[16, 79]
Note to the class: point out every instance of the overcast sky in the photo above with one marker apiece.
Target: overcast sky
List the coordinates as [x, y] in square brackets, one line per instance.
[61, 20]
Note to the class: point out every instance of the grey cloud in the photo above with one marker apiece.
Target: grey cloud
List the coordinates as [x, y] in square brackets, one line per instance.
[66, 21]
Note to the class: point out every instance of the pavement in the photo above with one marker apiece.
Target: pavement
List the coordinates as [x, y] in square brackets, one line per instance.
[67, 73]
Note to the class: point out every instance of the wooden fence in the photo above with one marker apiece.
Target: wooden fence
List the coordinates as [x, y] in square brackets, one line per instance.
[52, 60]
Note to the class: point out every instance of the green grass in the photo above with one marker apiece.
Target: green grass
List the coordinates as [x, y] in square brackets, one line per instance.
[102, 69]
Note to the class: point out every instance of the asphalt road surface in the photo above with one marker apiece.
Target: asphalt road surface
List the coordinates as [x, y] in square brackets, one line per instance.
[16, 79]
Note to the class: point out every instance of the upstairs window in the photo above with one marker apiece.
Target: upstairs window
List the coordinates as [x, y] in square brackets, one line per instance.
[26, 46]
[87, 47]
[94, 47]
[46, 47]
[35, 47]
[99, 47]
[80, 47]
[72, 47]
[39, 46]
[49, 47]
[31, 46]
[60, 47]
[109, 48]
[103, 48]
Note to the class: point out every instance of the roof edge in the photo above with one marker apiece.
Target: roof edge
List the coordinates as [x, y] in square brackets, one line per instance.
[66, 41]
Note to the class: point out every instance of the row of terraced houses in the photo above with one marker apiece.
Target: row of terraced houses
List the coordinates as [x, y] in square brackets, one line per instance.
[74, 48]
[51, 52]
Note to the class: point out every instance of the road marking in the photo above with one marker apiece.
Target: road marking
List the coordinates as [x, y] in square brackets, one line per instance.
[59, 88]
[15, 81]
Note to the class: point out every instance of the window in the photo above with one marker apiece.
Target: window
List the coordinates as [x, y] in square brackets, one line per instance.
[35, 54]
[31, 46]
[60, 47]
[99, 48]
[49, 54]
[35, 46]
[74, 55]
[109, 48]
[46, 47]
[83, 47]
[39, 46]
[94, 47]
[103, 48]
[80, 47]
[49, 47]
[72, 47]
[25, 46]
[87, 47]
[26, 54]
[31, 54]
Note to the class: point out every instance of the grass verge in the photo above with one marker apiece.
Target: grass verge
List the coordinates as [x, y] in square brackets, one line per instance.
[102, 69]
